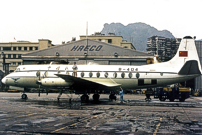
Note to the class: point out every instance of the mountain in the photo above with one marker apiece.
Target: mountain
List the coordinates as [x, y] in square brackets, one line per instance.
[137, 33]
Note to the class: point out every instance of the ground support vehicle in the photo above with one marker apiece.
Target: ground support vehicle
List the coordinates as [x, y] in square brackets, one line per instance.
[180, 93]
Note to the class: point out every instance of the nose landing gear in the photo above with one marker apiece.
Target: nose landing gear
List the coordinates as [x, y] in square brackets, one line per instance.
[24, 96]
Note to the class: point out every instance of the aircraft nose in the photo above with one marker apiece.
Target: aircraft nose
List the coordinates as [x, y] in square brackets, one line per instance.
[3, 80]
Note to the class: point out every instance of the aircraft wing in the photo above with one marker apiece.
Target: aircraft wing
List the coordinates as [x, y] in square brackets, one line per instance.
[98, 82]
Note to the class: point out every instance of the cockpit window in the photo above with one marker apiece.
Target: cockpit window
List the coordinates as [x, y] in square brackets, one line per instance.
[17, 70]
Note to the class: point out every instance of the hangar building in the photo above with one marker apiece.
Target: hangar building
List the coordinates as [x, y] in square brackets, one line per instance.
[87, 51]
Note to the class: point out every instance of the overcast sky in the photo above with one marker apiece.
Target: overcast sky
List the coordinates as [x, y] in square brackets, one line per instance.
[60, 20]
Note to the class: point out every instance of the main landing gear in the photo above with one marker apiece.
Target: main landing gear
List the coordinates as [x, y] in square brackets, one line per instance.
[96, 97]
[85, 98]
[112, 97]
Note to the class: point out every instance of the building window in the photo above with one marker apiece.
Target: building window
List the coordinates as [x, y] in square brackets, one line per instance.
[19, 63]
[9, 55]
[25, 48]
[30, 48]
[6, 48]
[14, 63]
[106, 74]
[14, 56]
[14, 48]
[19, 48]
[36, 48]
[109, 40]
[19, 56]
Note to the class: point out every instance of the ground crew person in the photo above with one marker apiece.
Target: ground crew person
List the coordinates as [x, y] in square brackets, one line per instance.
[121, 94]
[75, 68]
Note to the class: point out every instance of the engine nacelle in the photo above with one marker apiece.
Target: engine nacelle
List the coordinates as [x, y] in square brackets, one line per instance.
[52, 82]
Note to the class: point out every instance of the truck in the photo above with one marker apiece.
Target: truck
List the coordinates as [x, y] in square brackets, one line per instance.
[180, 93]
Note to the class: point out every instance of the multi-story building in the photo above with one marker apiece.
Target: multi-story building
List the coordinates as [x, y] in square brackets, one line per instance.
[111, 38]
[14, 50]
[165, 48]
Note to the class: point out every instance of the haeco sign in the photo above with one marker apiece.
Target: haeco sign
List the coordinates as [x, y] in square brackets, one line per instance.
[87, 48]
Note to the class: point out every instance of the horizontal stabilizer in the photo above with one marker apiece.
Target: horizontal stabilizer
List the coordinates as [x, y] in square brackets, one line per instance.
[89, 81]
[190, 68]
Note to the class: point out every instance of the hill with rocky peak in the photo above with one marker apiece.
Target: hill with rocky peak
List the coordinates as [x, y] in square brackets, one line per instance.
[137, 33]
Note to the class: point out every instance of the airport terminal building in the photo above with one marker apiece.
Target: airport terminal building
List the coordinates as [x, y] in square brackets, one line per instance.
[87, 51]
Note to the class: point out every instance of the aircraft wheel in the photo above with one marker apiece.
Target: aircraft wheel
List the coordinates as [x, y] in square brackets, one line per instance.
[147, 99]
[84, 98]
[96, 97]
[182, 99]
[111, 97]
[162, 99]
[24, 96]
[171, 100]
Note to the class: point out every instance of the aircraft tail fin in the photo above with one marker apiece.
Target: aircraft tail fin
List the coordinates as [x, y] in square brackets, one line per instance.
[186, 60]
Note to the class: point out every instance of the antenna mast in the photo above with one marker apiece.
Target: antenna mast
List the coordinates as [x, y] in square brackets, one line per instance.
[86, 29]
[86, 41]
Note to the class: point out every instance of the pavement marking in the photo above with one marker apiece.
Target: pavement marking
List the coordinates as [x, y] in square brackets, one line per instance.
[19, 116]
[157, 127]
[73, 124]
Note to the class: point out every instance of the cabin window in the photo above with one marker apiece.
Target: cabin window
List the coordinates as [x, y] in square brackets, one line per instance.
[98, 74]
[106, 75]
[90, 74]
[82, 74]
[122, 74]
[137, 75]
[115, 75]
[130, 75]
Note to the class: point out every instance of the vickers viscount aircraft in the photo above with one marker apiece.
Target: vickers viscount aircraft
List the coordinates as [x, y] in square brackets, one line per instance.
[185, 65]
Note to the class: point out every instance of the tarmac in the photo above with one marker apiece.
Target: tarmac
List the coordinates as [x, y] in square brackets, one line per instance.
[45, 115]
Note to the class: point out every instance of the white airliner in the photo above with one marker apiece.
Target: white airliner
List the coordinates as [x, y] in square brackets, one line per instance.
[185, 65]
